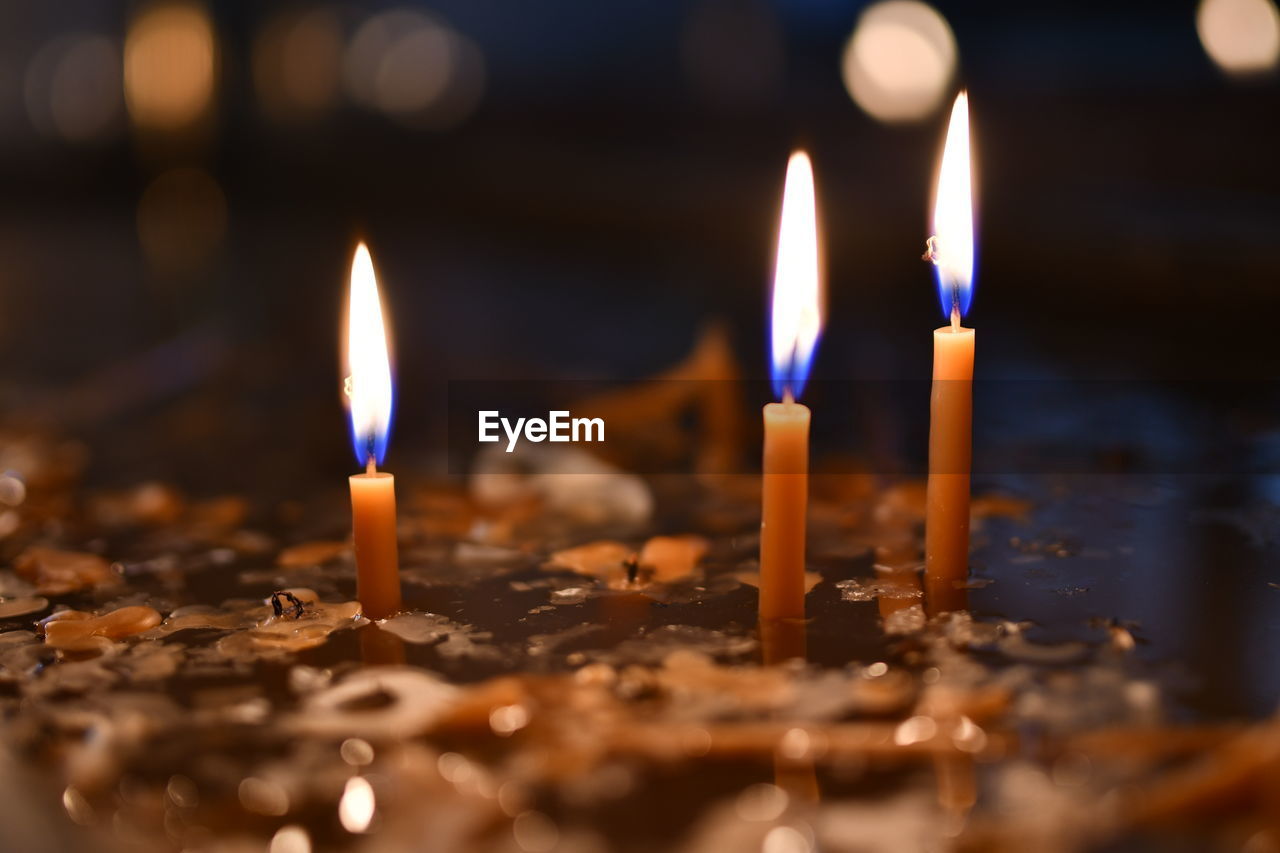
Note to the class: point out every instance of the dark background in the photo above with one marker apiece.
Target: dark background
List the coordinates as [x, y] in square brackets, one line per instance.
[611, 185]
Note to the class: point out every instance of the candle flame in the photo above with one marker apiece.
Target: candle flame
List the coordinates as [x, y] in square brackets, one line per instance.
[951, 247]
[368, 385]
[797, 282]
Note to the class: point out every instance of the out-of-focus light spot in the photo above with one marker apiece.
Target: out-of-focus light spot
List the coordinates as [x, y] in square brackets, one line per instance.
[183, 792]
[355, 809]
[535, 832]
[762, 802]
[415, 69]
[169, 61]
[1241, 36]
[899, 61]
[968, 736]
[733, 52]
[454, 767]
[506, 720]
[263, 796]
[413, 72]
[72, 87]
[356, 751]
[914, 730]
[785, 839]
[78, 808]
[182, 217]
[290, 839]
[297, 64]
[12, 490]
[795, 744]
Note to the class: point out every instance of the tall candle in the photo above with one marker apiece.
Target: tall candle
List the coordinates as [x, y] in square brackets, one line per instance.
[796, 322]
[373, 497]
[951, 405]
[784, 510]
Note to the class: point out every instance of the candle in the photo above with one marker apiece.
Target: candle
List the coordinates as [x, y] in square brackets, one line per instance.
[795, 325]
[951, 405]
[373, 496]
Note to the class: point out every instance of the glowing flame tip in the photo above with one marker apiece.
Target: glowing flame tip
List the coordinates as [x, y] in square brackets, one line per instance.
[951, 248]
[797, 281]
[368, 386]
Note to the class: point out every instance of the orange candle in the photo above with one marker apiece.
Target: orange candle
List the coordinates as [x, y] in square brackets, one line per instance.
[796, 323]
[373, 496]
[951, 406]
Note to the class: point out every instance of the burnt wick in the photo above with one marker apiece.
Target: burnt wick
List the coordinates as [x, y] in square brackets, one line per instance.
[632, 565]
[296, 603]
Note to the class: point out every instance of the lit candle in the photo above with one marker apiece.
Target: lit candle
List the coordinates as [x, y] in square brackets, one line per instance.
[951, 405]
[373, 495]
[795, 326]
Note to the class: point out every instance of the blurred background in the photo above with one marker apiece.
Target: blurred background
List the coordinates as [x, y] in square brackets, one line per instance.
[567, 189]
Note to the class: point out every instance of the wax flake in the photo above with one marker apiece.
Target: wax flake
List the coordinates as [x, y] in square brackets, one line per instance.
[77, 631]
[908, 620]
[420, 627]
[257, 631]
[859, 589]
[543, 644]
[22, 606]
[55, 572]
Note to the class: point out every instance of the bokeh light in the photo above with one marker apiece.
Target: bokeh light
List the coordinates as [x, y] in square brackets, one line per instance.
[297, 64]
[413, 68]
[1241, 36]
[72, 87]
[899, 61]
[182, 218]
[356, 808]
[170, 58]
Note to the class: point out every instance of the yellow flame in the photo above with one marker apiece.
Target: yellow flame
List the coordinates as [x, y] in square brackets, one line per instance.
[797, 282]
[953, 203]
[368, 362]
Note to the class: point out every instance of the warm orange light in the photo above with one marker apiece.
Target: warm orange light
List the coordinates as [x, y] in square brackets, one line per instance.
[952, 245]
[797, 281]
[368, 363]
[169, 62]
[899, 60]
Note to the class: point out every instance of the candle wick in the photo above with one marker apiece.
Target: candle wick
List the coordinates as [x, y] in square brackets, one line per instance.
[372, 467]
[787, 397]
[955, 317]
